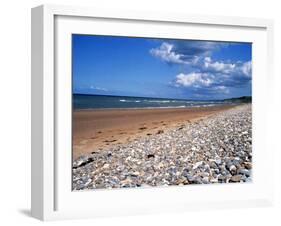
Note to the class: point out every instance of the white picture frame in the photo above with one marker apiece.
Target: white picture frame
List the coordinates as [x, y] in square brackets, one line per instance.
[52, 197]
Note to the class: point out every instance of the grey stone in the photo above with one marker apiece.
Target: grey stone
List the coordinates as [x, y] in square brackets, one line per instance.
[236, 178]
[206, 151]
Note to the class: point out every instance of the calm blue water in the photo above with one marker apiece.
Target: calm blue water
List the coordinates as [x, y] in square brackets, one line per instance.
[81, 101]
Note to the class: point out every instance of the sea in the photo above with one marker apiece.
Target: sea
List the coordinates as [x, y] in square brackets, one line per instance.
[83, 102]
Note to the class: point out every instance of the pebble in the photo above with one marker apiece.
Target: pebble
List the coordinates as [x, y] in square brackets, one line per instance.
[245, 172]
[214, 150]
[218, 161]
[205, 180]
[248, 165]
[236, 178]
[197, 164]
[232, 168]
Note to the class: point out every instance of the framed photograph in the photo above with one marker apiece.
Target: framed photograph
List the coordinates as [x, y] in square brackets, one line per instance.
[136, 113]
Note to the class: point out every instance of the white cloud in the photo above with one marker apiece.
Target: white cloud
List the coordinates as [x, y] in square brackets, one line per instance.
[194, 79]
[221, 89]
[247, 68]
[225, 68]
[217, 66]
[188, 52]
[165, 52]
[98, 88]
[205, 75]
[208, 59]
[205, 64]
[205, 81]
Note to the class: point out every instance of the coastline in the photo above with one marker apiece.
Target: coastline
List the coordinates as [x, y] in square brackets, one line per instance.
[95, 130]
[216, 148]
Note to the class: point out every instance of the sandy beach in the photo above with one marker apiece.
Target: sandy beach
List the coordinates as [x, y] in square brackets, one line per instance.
[215, 146]
[95, 130]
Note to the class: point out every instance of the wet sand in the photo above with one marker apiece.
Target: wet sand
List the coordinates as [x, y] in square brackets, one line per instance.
[95, 130]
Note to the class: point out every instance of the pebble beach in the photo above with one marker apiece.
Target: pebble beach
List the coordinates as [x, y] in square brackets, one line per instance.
[215, 149]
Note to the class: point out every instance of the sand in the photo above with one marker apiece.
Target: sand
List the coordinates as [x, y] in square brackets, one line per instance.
[216, 149]
[95, 130]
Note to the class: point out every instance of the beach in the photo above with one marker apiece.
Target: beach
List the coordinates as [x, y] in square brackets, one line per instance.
[94, 130]
[154, 147]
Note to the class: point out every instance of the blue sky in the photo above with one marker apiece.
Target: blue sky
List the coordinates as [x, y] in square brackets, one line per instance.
[164, 68]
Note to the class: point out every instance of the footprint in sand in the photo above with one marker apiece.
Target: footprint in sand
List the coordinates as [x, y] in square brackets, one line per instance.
[181, 127]
[109, 141]
[142, 128]
[83, 142]
[160, 131]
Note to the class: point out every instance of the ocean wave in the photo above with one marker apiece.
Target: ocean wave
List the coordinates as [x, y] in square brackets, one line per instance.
[182, 106]
[205, 105]
[158, 101]
[130, 101]
[172, 103]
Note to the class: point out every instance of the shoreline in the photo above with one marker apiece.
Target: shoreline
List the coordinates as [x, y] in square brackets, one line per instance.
[155, 108]
[95, 130]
